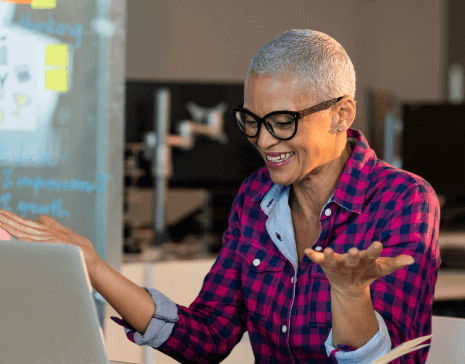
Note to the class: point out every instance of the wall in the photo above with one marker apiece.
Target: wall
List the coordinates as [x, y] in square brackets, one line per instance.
[395, 45]
[404, 47]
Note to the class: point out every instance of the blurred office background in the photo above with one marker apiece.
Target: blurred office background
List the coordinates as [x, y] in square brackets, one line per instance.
[200, 51]
[185, 63]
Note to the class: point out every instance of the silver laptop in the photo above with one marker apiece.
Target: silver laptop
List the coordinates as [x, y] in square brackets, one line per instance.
[47, 312]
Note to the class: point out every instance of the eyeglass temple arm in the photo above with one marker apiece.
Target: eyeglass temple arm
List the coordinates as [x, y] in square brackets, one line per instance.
[322, 106]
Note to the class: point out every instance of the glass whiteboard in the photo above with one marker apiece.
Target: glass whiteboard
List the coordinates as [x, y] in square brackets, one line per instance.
[61, 82]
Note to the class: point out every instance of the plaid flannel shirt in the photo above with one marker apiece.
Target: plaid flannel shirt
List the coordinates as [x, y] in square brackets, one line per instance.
[257, 285]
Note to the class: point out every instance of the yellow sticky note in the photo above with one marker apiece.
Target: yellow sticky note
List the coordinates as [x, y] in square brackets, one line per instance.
[56, 55]
[56, 80]
[44, 4]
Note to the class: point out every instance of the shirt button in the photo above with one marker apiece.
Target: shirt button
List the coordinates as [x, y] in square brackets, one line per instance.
[256, 262]
[292, 280]
[278, 236]
[328, 212]
[318, 248]
[284, 329]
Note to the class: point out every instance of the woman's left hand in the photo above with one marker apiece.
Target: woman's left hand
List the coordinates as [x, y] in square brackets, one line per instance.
[352, 273]
[47, 230]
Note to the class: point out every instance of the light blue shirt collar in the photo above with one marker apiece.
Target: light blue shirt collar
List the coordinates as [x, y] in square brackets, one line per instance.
[275, 205]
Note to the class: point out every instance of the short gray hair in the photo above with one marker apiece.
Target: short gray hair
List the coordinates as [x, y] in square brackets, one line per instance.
[314, 57]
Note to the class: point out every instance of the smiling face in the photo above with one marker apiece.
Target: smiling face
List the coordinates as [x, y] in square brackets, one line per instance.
[317, 146]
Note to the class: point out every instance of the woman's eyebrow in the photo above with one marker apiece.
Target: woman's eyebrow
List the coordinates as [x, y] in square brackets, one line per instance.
[249, 110]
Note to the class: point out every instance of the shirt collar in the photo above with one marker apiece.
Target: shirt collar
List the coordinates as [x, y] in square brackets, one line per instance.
[351, 190]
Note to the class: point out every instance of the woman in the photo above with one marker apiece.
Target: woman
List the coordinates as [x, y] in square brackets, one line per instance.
[331, 254]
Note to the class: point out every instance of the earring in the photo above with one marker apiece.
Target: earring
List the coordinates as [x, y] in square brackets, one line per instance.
[339, 130]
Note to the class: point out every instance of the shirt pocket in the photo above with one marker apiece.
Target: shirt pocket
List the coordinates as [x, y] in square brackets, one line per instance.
[319, 294]
[261, 273]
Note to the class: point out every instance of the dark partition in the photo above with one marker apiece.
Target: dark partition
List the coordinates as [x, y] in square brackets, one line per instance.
[433, 148]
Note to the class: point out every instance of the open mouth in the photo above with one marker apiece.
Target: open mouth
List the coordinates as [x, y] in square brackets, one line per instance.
[280, 158]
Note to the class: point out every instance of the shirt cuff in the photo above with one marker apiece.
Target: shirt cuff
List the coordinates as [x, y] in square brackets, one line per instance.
[377, 346]
[160, 326]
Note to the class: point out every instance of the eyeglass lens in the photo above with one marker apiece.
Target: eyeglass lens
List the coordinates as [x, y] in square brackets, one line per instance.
[281, 125]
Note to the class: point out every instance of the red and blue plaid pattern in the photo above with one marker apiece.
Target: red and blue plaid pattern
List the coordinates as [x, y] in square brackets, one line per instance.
[249, 287]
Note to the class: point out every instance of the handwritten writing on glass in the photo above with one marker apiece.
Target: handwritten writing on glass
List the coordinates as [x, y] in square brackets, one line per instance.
[37, 183]
[53, 28]
[54, 209]
[5, 201]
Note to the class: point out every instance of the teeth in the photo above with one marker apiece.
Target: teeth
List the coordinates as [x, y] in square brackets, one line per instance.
[280, 158]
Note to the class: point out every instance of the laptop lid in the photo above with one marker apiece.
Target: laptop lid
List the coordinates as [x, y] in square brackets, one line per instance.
[47, 312]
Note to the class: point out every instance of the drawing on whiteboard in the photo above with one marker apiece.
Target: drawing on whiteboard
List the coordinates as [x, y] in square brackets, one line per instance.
[20, 101]
[2, 80]
[3, 52]
[26, 125]
[22, 73]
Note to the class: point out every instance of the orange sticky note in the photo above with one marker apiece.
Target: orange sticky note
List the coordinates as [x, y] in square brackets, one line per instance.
[18, 1]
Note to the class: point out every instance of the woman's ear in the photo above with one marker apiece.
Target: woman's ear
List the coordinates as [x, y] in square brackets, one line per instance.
[346, 113]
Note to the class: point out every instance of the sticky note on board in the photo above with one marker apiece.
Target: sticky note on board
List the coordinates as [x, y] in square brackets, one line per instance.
[4, 235]
[56, 80]
[43, 4]
[56, 55]
[18, 1]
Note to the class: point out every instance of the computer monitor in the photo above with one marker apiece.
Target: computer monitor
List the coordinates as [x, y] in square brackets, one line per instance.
[47, 311]
[209, 164]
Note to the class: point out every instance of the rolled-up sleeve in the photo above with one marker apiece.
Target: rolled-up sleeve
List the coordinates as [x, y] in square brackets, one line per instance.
[161, 325]
[376, 347]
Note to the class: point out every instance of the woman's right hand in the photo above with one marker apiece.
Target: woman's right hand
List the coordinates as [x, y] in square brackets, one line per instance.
[47, 230]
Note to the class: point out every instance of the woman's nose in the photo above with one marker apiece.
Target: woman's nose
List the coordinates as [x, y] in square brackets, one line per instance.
[265, 139]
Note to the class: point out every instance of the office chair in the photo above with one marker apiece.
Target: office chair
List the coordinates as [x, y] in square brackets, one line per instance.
[448, 341]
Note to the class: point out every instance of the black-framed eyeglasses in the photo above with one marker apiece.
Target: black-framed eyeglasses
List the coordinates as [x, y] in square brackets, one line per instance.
[281, 124]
